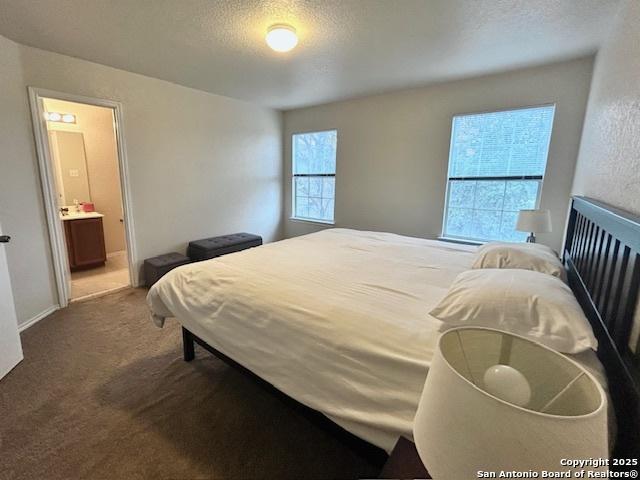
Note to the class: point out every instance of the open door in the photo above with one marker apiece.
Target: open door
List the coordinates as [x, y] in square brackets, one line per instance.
[10, 346]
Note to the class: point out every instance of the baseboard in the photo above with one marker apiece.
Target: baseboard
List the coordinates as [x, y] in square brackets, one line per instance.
[37, 318]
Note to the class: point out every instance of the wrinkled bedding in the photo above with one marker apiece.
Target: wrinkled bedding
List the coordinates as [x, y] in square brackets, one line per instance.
[337, 319]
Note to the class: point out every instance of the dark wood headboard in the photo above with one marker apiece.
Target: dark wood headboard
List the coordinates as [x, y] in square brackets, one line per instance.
[602, 257]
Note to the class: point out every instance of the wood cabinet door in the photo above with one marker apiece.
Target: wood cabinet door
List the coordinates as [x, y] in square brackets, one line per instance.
[87, 239]
[69, 241]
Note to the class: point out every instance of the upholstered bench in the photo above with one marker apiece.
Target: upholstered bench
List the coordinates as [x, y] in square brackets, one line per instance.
[214, 247]
[156, 267]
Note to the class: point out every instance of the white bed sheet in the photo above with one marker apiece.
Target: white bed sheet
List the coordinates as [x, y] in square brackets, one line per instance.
[336, 319]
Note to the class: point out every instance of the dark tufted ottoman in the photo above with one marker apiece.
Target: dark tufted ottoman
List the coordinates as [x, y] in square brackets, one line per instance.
[214, 247]
[156, 267]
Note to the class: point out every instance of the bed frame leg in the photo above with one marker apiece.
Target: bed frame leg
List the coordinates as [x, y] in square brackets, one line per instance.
[188, 346]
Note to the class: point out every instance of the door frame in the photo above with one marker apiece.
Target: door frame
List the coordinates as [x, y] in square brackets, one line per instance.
[56, 233]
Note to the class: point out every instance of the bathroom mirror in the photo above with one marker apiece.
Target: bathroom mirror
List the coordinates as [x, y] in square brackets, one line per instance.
[69, 167]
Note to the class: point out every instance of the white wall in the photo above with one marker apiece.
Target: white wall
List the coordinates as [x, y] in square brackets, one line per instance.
[608, 167]
[393, 149]
[21, 208]
[200, 164]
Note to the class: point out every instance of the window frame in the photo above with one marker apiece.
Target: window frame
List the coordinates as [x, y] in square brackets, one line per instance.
[539, 178]
[293, 216]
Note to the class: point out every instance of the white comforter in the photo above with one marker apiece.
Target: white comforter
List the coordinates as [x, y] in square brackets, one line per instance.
[337, 319]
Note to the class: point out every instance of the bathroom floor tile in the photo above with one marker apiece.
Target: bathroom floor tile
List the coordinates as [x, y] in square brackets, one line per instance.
[114, 274]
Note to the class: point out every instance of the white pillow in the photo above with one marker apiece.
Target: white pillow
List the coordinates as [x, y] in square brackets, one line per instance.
[527, 303]
[528, 256]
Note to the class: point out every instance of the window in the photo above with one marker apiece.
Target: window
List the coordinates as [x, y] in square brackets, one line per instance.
[314, 175]
[496, 167]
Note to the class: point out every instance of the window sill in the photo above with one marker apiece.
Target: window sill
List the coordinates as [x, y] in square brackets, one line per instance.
[311, 220]
[461, 241]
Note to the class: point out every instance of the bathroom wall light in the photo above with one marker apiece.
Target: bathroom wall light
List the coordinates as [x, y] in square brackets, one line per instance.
[53, 116]
[282, 38]
[60, 117]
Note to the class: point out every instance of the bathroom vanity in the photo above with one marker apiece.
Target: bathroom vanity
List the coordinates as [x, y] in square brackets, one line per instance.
[85, 239]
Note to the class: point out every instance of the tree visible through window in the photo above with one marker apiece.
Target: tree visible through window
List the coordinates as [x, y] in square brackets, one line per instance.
[496, 167]
[314, 175]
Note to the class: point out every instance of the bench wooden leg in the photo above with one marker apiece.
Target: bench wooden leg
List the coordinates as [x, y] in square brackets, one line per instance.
[188, 346]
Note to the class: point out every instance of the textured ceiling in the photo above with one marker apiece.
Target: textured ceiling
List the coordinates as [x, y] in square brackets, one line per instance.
[347, 47]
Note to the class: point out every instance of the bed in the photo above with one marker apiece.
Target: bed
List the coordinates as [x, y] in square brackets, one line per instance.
[337, 320]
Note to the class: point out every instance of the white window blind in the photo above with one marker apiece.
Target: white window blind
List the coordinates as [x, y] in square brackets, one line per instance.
[497, 162]
[314, 175]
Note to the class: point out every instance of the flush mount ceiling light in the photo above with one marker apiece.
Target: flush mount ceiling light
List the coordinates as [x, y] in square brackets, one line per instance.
[281, 38]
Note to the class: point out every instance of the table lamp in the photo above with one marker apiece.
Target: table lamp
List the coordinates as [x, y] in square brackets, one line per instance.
[495, 401]
[533, 221]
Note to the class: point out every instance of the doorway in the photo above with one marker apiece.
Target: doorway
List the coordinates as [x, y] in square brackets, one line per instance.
[84, 179]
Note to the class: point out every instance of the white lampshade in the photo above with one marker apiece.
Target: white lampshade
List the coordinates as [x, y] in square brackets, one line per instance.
[536, 221]
[460, 428]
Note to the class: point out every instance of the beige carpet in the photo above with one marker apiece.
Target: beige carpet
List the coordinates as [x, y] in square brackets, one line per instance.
[102, 393]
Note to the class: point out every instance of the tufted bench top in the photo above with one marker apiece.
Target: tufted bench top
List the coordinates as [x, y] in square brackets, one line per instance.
[215, 246]
[167, 260]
